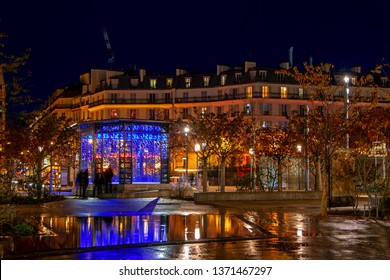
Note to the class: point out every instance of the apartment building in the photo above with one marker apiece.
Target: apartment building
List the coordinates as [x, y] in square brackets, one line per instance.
[266, 94]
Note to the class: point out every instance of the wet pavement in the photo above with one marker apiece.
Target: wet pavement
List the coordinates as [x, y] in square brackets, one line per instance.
[162, 229]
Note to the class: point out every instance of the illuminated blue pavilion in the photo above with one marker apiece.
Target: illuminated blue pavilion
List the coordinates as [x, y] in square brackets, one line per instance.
[138, 152]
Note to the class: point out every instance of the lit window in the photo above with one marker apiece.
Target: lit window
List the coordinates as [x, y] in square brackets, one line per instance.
[188, 82]
[153, 83]
[300, 93]
[265, 91]
[114, 113]
[169, 83]
[283, 92]
[206, 81]
[223, 80]
[249, 92]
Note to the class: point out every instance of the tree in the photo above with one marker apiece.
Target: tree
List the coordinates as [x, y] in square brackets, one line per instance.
[277, 145]
[323, 122]
[370, 139]
[41, 137]
[229, 136]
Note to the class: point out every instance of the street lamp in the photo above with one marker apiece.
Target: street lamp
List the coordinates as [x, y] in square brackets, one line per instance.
[51, 168]
[346, 102]
[186, 131]
[299, 148]
[252, 153]
[197, 149]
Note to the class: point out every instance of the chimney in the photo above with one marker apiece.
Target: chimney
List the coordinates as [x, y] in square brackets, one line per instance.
[180, 71]
[249, 65]
[221, 68]
[142, 74]
[285, 65]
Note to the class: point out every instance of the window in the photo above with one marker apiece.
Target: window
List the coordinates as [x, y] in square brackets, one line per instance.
[223, 80]
[113, 97]
[238, 78]
[168, 98]
[219, 110]
[235, 91]
[300, 93]
[152, 114]
[263, 76]
[249, 92]
[133, 98]
[204, 110]
[283, 92]
[169, 83]
[284, 110]
[265, 91]
[152, 98]
[114, 113]
[206, 81]
[153, 83]
[188, 82]
[204, 95]
[133, 113]
[266, 109]
[185, 113]
[219, 94]
[281, 77]
[185, 96]
[252, 75]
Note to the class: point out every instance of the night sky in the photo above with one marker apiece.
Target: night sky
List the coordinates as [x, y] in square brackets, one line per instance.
[66, 37]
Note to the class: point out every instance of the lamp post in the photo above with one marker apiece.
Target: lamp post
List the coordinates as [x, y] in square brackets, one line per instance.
[346, 102]
[299, 148]
[197, 149]
[252, 152]
[186, 131]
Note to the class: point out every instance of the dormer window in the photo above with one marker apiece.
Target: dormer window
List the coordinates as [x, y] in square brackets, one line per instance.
[206, 81]
[169, 83]
[188, 82]
[153, 83]
[238, 78]
[223, 80]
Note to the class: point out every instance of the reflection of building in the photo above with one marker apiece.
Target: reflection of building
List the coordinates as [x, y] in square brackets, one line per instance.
[136, 151]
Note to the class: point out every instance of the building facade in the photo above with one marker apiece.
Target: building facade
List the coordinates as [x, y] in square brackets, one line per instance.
[267, 95]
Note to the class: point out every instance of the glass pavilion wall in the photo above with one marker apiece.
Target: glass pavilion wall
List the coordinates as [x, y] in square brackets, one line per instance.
[138, 152]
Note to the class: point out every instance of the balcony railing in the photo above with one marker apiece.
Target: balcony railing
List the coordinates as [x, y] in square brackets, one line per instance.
[200, 99]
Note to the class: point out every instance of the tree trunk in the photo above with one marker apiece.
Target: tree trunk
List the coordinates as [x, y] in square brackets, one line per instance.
[318, 186]
[324, 200]
[223, 174]
[205, 176]
[280, 177]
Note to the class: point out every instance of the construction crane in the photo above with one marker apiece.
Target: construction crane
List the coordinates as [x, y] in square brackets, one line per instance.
[111, 58]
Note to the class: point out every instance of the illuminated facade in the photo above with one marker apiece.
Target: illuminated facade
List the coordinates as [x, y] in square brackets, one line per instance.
[137, 152]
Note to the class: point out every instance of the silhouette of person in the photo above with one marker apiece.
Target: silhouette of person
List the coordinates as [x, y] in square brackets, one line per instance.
[84, 180]
[78, 183]
[98, 183]
[108, 174]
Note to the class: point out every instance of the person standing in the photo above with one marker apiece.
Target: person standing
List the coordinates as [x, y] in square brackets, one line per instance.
[78, 184]
[98, 182]
[108, 174]
[84, 179]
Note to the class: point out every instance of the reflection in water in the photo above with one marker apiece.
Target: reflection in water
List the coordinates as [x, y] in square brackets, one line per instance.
[85, 232]
[284, 235]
